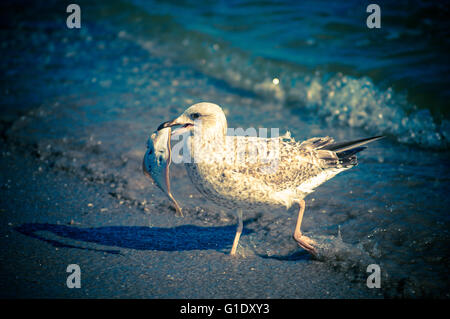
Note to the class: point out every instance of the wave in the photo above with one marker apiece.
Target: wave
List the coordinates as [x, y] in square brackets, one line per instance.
[337, 98]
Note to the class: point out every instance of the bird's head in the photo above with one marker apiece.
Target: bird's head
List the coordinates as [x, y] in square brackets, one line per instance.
[201, 118]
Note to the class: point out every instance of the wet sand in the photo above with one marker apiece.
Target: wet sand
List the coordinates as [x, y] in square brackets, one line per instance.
[53, 219]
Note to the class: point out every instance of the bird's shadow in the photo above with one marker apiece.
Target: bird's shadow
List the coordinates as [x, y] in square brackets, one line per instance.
[293, 256]
[180, 238]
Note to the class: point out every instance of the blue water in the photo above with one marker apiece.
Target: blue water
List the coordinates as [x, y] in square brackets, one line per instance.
[394, 80]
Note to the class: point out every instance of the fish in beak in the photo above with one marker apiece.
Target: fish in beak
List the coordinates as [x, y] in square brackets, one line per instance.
[157, 161]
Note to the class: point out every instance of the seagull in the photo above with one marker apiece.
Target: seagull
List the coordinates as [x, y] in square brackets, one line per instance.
[248, 172]
[157, 161]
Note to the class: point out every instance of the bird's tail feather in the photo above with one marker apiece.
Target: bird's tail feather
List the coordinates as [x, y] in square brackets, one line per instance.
[346, 146]
[348, 157]
[350, 152]
[337, 155]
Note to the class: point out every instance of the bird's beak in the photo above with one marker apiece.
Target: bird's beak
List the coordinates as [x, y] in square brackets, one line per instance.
[166, 124]
[182, 122]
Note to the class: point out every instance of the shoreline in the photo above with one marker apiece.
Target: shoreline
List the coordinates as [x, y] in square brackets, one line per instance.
[117, 260]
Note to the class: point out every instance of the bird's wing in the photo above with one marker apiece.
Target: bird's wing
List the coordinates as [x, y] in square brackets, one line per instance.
[283, 163]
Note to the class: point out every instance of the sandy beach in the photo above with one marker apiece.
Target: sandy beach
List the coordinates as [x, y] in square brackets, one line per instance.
[53, 219]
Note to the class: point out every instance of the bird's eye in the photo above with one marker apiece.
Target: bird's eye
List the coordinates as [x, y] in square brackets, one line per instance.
[195, 116]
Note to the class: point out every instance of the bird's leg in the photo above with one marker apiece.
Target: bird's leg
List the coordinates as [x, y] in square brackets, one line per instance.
[303, 241]
[238, 233]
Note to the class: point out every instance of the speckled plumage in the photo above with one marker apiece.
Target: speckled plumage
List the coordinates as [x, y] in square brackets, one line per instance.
[235, 177]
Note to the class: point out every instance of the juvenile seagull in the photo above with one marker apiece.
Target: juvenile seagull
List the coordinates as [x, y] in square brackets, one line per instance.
[241, 172]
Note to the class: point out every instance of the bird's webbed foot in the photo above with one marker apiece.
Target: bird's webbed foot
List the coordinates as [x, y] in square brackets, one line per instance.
[306, 243]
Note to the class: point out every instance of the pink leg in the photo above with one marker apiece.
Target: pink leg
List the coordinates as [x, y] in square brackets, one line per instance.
[238, 233]
[303, 241]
